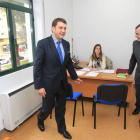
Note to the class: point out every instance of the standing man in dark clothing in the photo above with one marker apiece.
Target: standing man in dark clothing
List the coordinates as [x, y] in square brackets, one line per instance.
[135, 59]
[50, 77]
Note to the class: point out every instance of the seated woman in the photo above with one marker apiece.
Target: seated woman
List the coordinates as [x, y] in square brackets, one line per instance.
[97, 59]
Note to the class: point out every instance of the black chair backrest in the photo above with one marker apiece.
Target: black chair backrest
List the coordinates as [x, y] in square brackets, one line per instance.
[70, 91]
[112, 92]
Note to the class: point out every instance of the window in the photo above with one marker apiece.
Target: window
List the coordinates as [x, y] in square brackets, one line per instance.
[5, 54]
[17, 41]
[22, 36]
[24, 3]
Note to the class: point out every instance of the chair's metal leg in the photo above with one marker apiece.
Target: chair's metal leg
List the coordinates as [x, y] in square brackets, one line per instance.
[74, 113]
[94, 115]
[124, 115]
[93, 107]
[119, 109]
[82, 105]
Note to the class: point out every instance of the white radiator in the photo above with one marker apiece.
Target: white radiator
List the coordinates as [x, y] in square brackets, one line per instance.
[19, 105]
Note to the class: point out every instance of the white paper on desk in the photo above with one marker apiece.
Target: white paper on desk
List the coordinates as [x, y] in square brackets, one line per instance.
[92, 74]
[80, 72]
[108, 71]
[97, 71]
[85, 69]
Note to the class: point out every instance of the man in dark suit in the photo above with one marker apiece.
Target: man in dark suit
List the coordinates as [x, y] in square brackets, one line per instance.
[50, 76]
[135, 59]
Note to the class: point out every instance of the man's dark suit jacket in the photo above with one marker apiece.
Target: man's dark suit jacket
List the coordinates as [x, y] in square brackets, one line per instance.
[48, 70]
[135, 58]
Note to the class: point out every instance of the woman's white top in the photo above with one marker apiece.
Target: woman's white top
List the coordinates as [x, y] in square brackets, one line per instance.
[102, 63]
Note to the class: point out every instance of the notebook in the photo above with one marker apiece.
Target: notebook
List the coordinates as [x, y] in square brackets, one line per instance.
[122, 75]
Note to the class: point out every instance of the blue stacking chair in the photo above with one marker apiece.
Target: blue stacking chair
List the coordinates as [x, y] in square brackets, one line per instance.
[76, 96]
[110, 94]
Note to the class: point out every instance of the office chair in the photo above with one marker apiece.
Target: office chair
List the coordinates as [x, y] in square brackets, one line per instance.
[110, 94]
[76, 96]
[109, 63]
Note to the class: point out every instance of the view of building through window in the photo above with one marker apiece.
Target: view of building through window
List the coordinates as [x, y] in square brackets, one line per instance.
[5, 53]
[22, 39]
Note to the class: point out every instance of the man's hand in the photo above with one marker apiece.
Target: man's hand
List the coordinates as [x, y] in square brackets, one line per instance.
[78, 81]
[127, 75]
[41, 92]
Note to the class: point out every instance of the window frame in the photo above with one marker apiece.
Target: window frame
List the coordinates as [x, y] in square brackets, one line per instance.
[9, 7]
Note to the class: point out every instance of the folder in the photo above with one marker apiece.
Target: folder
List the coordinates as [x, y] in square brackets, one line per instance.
[121, 71]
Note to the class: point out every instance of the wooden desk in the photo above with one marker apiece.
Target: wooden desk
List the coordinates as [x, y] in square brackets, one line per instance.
[90, 84]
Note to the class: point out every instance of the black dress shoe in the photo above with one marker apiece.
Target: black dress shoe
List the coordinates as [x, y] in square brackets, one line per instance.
[135, 112]
[66, 134]
[41, 126]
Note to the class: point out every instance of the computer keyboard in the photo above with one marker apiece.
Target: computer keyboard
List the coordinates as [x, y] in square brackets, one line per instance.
[77, 67]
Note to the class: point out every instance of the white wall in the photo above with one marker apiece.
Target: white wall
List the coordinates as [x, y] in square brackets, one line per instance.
[110, 23]
[38, 20]
[55, 9]
[1, 122]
